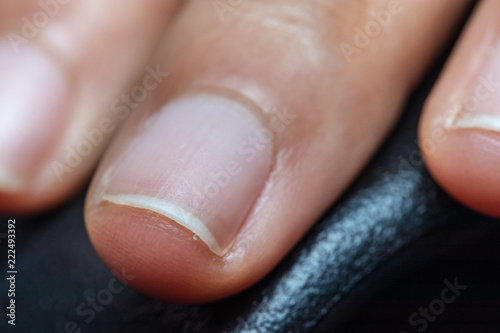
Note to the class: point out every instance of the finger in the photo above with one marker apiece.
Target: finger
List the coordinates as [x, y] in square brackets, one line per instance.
[63, 64]
[460, 129]
[266, 118]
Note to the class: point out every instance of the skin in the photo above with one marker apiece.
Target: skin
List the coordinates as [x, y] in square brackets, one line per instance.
[263, 55]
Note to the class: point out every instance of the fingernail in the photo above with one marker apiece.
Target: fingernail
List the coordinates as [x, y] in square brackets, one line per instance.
[32, 113]
[480, 104]
[201, 162]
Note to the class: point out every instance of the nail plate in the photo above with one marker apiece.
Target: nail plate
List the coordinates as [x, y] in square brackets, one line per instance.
[480, 108]
[201, 162]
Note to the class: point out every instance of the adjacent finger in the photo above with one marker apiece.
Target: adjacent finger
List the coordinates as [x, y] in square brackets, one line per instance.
[460, 129]
[62, 68]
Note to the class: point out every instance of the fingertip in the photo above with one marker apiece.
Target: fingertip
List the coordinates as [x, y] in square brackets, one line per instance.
[460, 127]
[163, 259]
[43, 193]
[465, 165]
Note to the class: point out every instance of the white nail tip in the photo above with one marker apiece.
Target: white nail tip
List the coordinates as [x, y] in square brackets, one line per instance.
[173, 212]
[485, 122]
[8, 181]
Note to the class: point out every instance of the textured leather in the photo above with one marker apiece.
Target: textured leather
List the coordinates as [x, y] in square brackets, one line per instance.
[379, 254]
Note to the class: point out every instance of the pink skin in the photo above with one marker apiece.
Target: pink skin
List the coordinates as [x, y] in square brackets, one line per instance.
[175, 201]
[460, 128]
[33, 107]
[336, 116]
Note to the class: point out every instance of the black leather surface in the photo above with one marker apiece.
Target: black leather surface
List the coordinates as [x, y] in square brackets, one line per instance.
[382, 252]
